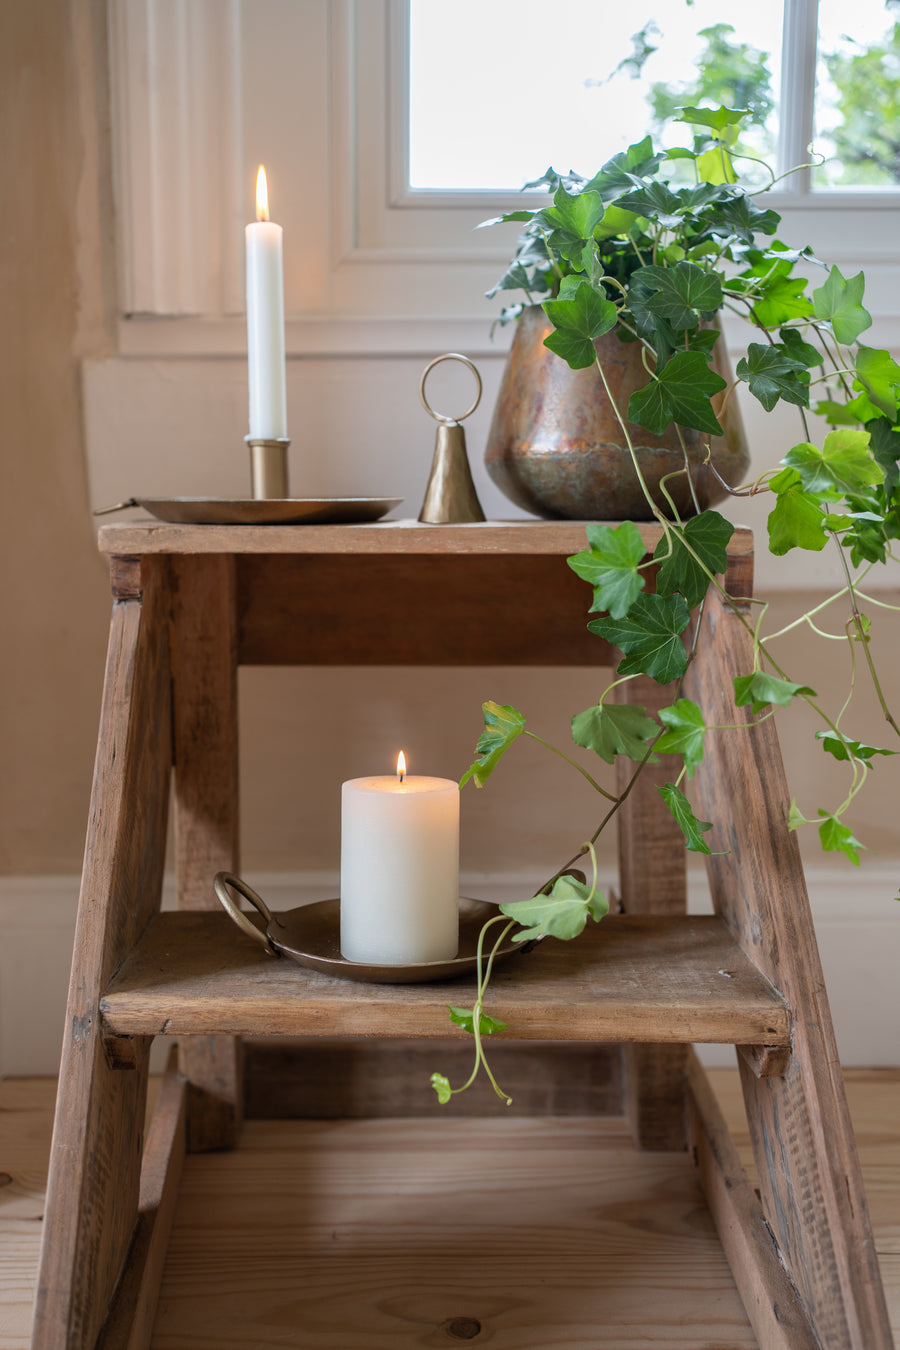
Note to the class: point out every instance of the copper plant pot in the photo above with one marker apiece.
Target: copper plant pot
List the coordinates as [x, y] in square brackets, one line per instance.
[556, 448]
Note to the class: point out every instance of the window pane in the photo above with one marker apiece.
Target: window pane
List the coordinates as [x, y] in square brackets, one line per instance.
[501, 90]
[858, 94]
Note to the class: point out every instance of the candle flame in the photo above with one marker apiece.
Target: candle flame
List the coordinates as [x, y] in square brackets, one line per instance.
[262, 195]
[401, 766]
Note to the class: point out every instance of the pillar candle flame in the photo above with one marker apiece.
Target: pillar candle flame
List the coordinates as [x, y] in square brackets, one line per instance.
[262, 195]
[401, 766]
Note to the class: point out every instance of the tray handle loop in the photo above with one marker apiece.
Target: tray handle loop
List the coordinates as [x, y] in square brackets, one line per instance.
[221, 882]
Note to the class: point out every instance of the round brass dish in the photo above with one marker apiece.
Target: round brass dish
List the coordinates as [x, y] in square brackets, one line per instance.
[261, 510]
[310, 935]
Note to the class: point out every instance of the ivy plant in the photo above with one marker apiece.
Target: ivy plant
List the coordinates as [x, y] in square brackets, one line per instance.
[626, 252]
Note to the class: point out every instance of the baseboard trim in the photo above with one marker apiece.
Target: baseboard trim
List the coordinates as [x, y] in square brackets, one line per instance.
[857, 922]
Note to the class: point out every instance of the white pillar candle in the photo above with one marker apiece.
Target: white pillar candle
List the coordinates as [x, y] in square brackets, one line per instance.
[399, 870]
[265, 322]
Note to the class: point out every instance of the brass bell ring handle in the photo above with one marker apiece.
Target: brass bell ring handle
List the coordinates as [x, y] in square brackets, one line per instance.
[221, 882]
[439, 417]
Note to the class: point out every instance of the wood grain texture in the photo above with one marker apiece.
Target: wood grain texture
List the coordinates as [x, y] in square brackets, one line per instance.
[652, 880]
[95, 1159]
[130, 1322]
[770, 1299]
[329, 1079]
[403, 609]
[614, 1289]
[766, 1061]
[396, 536]
[630, 978]
[204, 669]
[520, 1234]
[806, 1157]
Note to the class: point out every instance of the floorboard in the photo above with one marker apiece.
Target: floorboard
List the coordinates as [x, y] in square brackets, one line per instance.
[369, 1235]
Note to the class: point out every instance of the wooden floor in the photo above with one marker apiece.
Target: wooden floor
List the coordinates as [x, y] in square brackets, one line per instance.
[376, 1235]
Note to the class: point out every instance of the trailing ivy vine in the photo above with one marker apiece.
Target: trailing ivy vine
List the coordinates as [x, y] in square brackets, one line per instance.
[624, 251]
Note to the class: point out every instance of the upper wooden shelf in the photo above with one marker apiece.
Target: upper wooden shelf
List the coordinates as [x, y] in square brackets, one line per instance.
[632, 978]
[132, 538]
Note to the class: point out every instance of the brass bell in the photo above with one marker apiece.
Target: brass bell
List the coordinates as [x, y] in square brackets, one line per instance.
[450, 497]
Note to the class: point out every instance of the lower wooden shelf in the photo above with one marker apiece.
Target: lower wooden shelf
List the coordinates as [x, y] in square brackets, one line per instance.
[632, 978]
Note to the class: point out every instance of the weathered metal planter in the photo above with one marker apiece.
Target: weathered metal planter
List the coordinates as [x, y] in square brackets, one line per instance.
[556, 449]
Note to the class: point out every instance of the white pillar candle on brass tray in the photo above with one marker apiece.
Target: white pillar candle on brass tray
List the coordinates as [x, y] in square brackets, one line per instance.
[399, 869]
[265, 322]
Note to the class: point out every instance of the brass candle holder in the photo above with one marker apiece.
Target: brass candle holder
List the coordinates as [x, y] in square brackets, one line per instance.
[268, 468]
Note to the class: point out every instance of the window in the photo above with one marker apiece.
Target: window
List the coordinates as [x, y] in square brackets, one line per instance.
[492, 113]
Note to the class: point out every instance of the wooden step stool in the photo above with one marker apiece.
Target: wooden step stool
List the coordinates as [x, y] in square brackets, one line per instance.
[192, 603]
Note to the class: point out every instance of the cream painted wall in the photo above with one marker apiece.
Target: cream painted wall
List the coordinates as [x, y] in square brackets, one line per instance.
[56, 301]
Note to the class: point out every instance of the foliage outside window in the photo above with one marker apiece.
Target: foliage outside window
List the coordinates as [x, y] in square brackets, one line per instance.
[515, 99]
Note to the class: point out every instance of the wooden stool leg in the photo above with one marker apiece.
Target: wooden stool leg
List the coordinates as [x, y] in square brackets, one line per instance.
[92, 1192]
[653, 880]
[810, 1180]
[204, 662]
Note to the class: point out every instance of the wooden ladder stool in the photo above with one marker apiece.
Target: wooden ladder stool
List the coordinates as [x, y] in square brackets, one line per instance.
[191, 603]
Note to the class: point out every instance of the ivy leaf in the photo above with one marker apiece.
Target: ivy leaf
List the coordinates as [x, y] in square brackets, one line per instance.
[610, 565]
[509, 215]
[578, 212]
[760, 690]
[708, 535]
[465, 1018]
[716, 165]
[782, 299]
[840, 302]
[515, 278]
[681, 393]
[742, 216]
[801, 351]
[615, 222]
[796, 818]
[717, 118]
[878, 373]
[845, 463]
[653, 329]
[848, 414]
[773, 374]
[686, 730]
[838, 838]
[683, 814]
[796, 520]
[571, 220]
[616, 729]
[682, 293]
[441, 1086]
[619, 172]
[649, 634]
[843, 749]
[884, 442]
[502, 725]
[560, 914]
[578, 320]
[656, 201]
[703, 339]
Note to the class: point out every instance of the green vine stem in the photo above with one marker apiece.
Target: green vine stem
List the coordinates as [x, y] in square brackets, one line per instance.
[574, 763]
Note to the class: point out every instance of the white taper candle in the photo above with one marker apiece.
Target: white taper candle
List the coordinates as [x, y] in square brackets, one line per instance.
[265, 322]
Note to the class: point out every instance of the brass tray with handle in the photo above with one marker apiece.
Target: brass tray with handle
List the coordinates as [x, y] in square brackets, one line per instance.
[310, 936]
